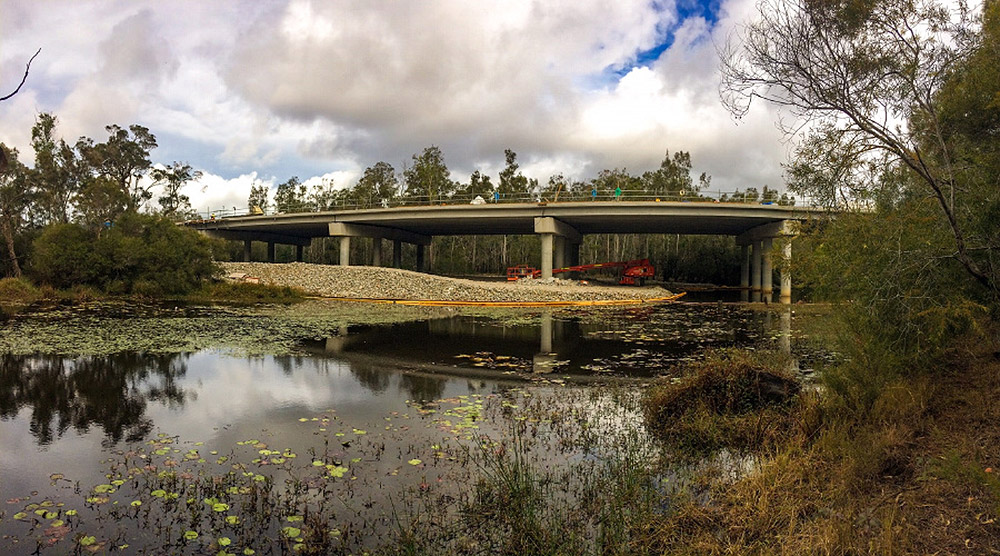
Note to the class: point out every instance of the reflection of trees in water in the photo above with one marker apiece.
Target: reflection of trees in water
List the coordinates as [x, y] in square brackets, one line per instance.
[371, 378]
[422, 388]
[108, 391]
[288, 363]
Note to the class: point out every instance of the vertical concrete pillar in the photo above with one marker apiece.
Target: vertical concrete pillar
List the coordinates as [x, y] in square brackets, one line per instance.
[767, 270]
[376, 251]
[547, 241]
[786, 272]
[755, 271]
[345, 251]
[397, 253]
[745, 273]
[299, 253]
[270, 251]
[560, 252]
[246, 250]
[420, 259]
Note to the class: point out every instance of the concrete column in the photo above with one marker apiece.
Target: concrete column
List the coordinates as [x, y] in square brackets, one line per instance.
[745, 273]
[376, 251]
[299, 253]
[767, 270]
[547, 241]
[786, 272]
[345, 251]
[420, 259]
[397, 253]
[246, 250]
[755, 271]
[270, 251]
[560, 252]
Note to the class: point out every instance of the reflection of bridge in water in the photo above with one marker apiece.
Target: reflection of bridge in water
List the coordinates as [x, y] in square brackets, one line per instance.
[559, 226]
[552, 345]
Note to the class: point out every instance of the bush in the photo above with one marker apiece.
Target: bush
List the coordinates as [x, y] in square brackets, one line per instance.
[141, 254]
[733, 399]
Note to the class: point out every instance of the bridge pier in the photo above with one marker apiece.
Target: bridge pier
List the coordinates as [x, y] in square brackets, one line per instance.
[376, 251]
[758, 254]
[299, 253]
[270, 251]
[554, 236]
[421, 259]
[246, 250]
[345, 251]
[767, 270]
[397, 253]
[755, 271]
[744, 273]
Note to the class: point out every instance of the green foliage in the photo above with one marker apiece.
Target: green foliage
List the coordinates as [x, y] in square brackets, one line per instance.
[123, 159]
[172, 178]
[512, 182]
[429, 176]
[379, 183]
[139, 254]
[258, 198]
[291, 196]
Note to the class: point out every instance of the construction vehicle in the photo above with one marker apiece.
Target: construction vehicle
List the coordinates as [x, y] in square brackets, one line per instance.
[634, 273]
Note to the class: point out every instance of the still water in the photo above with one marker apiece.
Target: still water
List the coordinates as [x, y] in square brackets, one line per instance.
[369, 398]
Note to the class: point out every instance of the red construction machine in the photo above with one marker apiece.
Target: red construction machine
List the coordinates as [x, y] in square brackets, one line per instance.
[634, 273]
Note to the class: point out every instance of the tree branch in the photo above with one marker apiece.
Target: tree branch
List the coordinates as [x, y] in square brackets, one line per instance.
[23, 79]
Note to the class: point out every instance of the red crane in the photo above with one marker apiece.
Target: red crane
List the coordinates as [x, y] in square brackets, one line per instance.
[634, 273]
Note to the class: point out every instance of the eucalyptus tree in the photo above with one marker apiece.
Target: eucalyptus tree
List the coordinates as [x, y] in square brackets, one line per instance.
[869, 77]
[174, 204]
[429, 176]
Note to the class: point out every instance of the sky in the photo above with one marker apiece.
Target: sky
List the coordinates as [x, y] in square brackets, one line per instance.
[264, 90]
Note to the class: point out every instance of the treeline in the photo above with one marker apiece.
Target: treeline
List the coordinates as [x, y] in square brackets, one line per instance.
[427, 180]
[73, 218]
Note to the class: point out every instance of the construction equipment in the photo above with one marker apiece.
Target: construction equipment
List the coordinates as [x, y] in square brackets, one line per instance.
[634, 273]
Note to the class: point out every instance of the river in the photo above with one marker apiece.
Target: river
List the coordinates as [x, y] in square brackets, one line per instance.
[394, 414]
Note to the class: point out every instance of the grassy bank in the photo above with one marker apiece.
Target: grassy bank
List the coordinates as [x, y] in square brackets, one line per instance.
[914, 471]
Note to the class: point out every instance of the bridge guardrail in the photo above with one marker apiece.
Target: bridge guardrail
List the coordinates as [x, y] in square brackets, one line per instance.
[412, 200]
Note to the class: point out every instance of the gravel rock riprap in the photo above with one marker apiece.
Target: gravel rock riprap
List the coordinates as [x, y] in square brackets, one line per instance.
[371, 282]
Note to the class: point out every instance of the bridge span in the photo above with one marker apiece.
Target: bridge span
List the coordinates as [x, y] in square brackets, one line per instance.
[560, 226]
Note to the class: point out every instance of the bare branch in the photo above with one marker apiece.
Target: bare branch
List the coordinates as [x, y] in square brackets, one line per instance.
[23, 79]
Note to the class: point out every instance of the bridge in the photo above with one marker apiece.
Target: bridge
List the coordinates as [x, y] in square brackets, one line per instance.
[560, 227]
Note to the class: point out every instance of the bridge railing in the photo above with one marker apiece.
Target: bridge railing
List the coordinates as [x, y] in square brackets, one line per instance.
[736, 197]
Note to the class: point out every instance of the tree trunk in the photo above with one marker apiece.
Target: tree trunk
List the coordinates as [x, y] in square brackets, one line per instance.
[8, 236]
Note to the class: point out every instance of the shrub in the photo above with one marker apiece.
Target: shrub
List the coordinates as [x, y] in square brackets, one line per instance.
[141, 254]
[734, 399]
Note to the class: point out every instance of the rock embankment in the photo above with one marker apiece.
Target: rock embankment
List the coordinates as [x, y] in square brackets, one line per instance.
[392, 283]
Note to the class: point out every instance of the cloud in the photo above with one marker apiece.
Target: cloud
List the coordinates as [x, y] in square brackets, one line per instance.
[312, 88]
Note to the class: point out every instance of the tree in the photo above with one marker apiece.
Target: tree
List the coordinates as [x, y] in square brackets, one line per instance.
[291, 196]
[379, 183]
[855, 70]
[124, 159]
[58, 172]
[429, 176]
[258, 198]
[172, 178]
[15, 197]
[479, 185]
[673, 177]
[512, 182]
[323, 196]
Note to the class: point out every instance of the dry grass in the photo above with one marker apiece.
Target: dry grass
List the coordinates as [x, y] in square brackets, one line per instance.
[915, 474]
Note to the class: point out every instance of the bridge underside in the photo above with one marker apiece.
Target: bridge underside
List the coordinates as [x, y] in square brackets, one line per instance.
[561, 228]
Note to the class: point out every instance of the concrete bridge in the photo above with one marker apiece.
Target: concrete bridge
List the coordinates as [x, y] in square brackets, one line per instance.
[560, 226]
